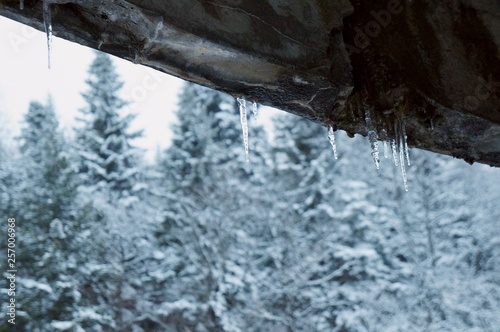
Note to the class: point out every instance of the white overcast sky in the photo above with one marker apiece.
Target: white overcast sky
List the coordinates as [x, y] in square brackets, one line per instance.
[24, 76]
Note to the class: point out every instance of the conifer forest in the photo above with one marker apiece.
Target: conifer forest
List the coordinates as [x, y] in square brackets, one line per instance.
[201, 240]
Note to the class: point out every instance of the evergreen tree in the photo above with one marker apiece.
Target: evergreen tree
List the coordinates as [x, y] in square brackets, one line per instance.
[48, 222]
[326, 258]
[211, 210]
[439, 238]
[104, 142]
[110, 168]
[10, 205]
[49, 162]
[9, 179]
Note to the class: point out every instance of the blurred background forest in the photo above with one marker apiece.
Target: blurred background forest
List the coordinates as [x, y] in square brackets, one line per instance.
[200, 240]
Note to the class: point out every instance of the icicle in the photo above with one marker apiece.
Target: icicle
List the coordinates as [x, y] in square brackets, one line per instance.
[394, 152]
[383, 134]
[402, 161]
[405, 145]
[21, 4]
[47, 22]
[372, 137]
[402, 148]
[244, 124]
[254, 110]
[386, 150]
[331, 138]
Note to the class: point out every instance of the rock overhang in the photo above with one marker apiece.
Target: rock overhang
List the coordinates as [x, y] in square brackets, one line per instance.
[434, 64]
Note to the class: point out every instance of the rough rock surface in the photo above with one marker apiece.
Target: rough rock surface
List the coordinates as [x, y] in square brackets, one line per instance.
[434, 63]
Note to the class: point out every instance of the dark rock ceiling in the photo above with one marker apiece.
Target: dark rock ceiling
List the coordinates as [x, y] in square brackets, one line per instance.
[434, 63]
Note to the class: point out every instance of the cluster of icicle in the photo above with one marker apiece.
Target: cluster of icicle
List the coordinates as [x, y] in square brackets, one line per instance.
[399, 145]
[244, 122]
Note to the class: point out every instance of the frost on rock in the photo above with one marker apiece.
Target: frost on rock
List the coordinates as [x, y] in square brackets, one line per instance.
[372, 137]
[244, 123]
[331, 138]
[254, 110]
[47, 22]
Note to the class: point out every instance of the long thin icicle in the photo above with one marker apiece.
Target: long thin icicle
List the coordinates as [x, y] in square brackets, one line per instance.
[244, 124]
[372, 137]
[331, 138]
[383, 134]
[402, 147]
[394, 149]
[402, 163]
[254, 110]
[47, 22]
[405, 146]
[21, 4]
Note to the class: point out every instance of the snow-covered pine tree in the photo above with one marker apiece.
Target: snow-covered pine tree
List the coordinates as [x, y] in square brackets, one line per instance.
[211, 207]
[325, 258]
[49, 162]
[110, 167]
[9, 179]
[104, 142]
[48, 221]
[441, 239]
[10, 204]
[207, 138]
